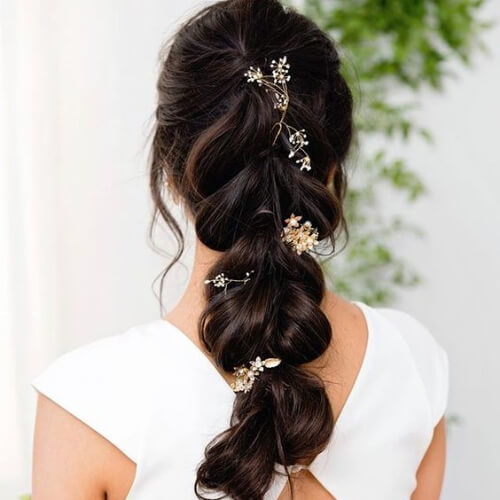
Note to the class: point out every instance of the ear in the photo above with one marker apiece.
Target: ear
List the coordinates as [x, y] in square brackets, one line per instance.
[177, 199]
[330, 175]
[172, 191]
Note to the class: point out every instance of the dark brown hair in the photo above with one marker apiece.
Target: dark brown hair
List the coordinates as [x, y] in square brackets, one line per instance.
[213, 144]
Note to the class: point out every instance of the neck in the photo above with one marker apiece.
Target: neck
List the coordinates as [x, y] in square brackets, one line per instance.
[186, 312]
[204, 259]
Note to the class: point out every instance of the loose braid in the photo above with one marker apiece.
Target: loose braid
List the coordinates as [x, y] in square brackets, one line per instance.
[213, 142]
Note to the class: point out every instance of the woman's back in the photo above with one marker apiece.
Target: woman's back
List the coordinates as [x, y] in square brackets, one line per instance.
[158, 398]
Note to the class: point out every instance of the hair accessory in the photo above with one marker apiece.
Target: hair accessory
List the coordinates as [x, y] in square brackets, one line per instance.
[222, 281]
[245, 377]
[278, 87]
[301, 237]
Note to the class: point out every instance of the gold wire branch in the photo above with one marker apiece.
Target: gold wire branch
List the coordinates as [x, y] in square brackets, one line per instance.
[276, 83]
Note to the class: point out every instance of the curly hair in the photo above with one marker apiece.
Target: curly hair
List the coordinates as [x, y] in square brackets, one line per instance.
[213, 144]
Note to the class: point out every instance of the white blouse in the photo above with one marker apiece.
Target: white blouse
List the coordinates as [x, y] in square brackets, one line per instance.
[152, 393]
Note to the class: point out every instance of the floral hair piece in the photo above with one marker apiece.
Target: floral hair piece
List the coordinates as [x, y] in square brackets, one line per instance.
[222, 281]
[301, 237]
[245, 377]
[276, 83]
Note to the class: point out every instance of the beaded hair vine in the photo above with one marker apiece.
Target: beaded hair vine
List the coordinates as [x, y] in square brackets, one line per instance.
[276, 83]
[222, 281]
[245, 377]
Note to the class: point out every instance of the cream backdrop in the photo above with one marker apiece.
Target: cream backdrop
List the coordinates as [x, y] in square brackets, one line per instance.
[76, 98]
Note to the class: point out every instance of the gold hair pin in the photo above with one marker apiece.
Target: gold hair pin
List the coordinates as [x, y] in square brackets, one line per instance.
[301, 237]
[276, 83]
[245, 377]
[222, 281]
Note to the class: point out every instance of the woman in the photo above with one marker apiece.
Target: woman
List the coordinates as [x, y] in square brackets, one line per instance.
[260, 383]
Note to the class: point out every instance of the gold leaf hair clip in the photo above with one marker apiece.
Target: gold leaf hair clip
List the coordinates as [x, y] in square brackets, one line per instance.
[245, 377]
[301, 237]
[222, 281]
[276, 83]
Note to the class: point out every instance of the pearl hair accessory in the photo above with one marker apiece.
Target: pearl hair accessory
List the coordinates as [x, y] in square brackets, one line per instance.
[301, 237]
[245, 377]
[278, 87]
[222, 281]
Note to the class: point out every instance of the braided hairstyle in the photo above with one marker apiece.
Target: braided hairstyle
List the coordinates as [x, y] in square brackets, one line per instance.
[213, 144]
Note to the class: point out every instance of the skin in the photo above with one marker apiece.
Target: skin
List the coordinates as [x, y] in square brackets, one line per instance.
[71, 460]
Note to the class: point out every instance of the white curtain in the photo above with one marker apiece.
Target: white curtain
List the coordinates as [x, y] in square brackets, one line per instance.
[77, 89]
[28, 225]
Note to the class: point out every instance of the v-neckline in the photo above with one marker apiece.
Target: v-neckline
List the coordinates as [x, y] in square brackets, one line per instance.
[355, 388]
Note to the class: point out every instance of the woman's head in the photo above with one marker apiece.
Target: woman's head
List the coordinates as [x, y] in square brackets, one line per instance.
[213, 142]
[212, 125]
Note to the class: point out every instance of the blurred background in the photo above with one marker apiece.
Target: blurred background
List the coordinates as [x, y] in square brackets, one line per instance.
[77, 94]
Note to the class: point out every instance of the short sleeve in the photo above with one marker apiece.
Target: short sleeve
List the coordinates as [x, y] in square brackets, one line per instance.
[430, 359]
[101, 384]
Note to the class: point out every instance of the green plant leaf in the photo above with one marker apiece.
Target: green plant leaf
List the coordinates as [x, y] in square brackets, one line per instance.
[390, 48]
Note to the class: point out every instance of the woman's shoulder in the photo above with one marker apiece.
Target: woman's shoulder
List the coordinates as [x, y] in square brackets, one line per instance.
[425, 351]
[106, 385]
[421, 341]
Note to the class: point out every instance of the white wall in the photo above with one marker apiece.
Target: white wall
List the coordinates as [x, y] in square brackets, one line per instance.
[459, 259]
[81, 87]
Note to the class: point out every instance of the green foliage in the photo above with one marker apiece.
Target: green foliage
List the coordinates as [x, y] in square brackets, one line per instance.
[391, 49]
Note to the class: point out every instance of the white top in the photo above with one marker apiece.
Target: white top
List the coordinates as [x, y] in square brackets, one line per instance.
[152, 393]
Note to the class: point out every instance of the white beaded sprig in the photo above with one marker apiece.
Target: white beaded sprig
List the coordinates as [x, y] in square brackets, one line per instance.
[301, 237]
[222, 281]
[245, 377]
[278, 87]
[298, 140]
